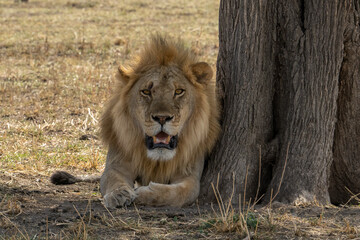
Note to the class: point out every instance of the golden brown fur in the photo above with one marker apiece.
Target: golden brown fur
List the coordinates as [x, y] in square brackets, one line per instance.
[172, 178]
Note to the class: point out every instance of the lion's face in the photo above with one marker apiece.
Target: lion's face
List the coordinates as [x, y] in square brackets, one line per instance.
[162, 100]
[164, 107]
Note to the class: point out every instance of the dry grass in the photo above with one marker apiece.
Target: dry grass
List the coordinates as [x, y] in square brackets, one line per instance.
[57, 62]
[279, 221]
[283, 221]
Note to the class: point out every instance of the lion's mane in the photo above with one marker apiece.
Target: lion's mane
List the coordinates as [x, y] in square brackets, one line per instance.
[197, 137]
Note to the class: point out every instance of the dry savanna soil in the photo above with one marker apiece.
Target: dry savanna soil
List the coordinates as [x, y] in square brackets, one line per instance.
[57, 64]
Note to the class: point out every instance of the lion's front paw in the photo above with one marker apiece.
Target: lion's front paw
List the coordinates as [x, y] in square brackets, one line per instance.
[145, 196]
[120, 197]
[154, 194]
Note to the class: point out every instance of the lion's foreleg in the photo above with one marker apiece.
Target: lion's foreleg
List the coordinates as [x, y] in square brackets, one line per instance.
[182, 192]
[117, 181]
[117, 189]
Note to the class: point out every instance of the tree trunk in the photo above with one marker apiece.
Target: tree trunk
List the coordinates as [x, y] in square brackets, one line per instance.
[311, 54]
[278, 74]
[244, 73]
[345, 170]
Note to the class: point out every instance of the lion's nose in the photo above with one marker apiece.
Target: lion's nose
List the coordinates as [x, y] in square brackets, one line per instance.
[162, 119]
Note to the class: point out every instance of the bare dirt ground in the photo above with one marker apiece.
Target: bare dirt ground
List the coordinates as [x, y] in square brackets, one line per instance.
[57, 62]
[32, 208]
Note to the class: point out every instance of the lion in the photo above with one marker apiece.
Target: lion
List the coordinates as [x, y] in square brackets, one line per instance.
[159, 125]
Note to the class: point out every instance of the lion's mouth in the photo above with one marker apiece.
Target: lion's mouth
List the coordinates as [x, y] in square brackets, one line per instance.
[161, 140]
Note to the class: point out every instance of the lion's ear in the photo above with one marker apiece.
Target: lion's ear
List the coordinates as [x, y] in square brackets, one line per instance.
[122, 74]
[202, 72]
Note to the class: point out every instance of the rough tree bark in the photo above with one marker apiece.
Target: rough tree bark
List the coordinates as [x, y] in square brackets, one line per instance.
[311, 56]
[278, 71]
[345, 170]
[244, 73]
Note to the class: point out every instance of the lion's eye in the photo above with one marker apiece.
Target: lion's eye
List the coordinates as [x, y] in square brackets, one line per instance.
[146, 92]
[179, 91]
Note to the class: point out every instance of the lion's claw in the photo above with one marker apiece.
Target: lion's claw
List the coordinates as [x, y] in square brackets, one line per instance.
[120, 197]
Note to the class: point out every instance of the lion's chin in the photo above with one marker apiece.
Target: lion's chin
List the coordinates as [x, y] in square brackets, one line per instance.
[161, 154]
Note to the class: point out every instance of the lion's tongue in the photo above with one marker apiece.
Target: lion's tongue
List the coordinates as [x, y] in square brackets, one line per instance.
[162, 138]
